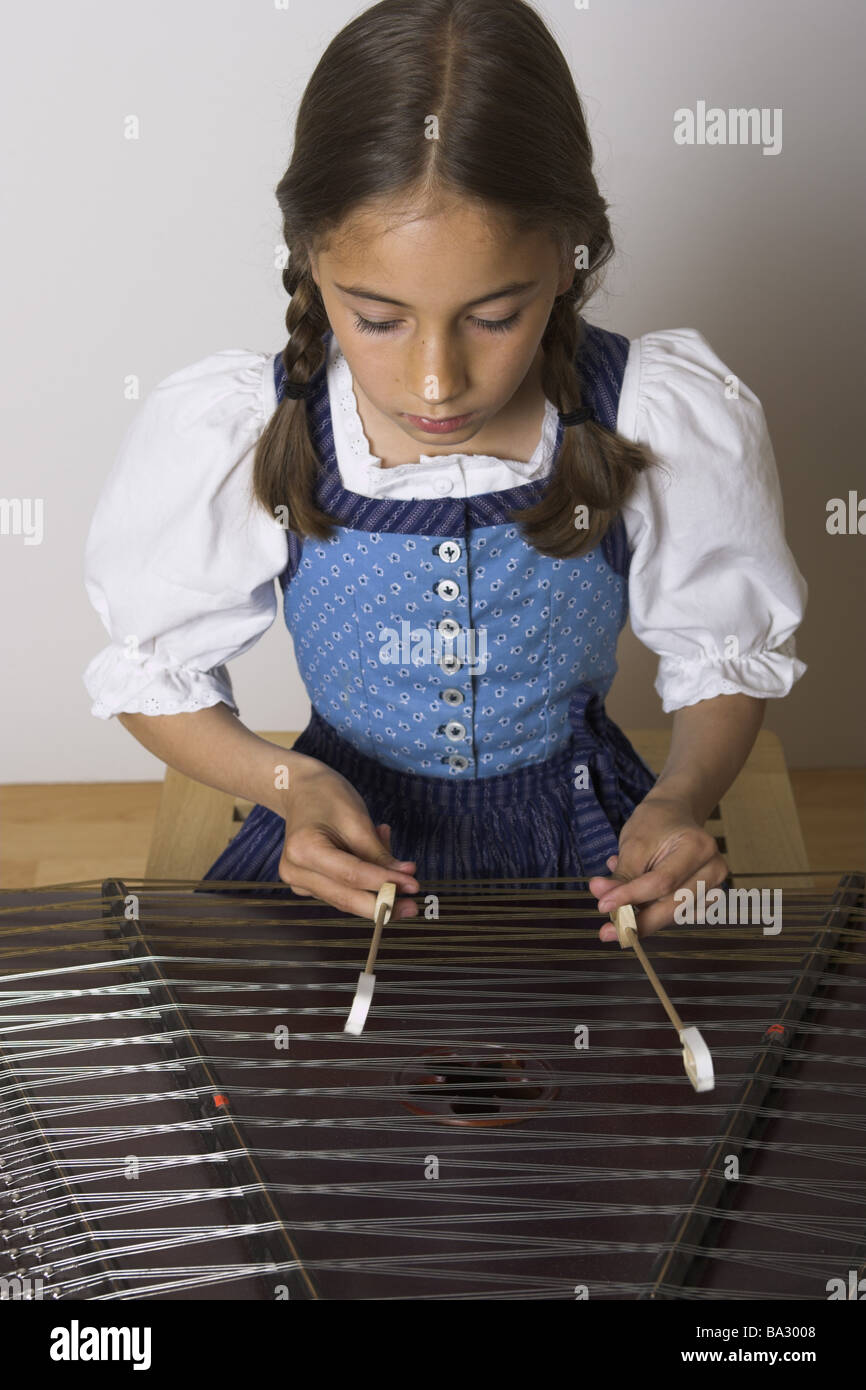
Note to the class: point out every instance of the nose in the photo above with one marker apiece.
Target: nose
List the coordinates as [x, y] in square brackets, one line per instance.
[437, 373]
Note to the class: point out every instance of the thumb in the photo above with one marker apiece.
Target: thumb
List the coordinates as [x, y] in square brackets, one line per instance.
[632, 860]
[384, 833]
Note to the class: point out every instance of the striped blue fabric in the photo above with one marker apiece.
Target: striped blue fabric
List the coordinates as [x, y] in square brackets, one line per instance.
[553, 819]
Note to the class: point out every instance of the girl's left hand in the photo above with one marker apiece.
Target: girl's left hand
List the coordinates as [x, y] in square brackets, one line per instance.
[661, 850]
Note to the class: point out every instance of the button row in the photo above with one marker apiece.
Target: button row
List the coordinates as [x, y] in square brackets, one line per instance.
[449, 629]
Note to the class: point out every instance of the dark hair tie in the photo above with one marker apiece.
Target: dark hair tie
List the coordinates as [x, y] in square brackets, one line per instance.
[296, 390]
[576, 417]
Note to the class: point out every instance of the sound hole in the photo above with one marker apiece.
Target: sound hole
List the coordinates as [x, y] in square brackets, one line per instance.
[485, 1086]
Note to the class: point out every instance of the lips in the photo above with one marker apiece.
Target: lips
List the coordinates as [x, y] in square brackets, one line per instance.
[445, 425]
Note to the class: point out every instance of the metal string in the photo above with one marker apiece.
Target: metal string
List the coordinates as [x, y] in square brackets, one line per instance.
[442, 1001]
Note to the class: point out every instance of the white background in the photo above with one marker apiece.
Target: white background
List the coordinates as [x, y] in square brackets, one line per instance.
[142, 256]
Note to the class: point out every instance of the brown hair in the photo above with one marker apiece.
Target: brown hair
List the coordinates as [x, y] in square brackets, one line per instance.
[512, 135]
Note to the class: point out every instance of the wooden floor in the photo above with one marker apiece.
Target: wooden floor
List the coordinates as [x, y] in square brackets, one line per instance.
[68, 832]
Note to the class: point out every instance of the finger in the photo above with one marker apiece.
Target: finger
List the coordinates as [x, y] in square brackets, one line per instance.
[635, 883]
[313, 850]
[608, 931]
[680, 862]
[660, 913]
[599, 885]
[602, 886]
[358, 836]
[324, 862]
[351, 900]
[652, 917]
[404, 907]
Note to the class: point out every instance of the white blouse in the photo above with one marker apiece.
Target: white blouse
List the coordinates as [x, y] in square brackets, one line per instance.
[180, 563]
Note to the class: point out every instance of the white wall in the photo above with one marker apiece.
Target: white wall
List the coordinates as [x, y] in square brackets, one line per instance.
[142, 256]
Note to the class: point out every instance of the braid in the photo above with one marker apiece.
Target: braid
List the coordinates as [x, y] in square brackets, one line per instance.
[559, 377]
[596, 467]
[286, 466]
[306, 324]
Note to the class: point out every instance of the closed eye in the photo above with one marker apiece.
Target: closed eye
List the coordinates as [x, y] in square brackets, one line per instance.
[490, 325]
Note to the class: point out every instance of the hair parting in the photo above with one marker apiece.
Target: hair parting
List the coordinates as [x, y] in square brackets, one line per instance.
[499, 84]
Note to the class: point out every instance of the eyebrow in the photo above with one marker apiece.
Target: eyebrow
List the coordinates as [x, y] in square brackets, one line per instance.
[514, 288]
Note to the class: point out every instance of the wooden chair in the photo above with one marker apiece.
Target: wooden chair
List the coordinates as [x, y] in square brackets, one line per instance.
[756, 823]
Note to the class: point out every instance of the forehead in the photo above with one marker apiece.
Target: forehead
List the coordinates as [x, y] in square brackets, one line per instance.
[450, 251]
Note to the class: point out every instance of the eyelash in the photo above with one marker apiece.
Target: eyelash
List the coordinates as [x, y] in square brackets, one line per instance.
[490, 325]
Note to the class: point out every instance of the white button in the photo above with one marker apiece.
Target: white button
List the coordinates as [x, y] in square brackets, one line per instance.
[447, 589]
[443, 486]
[449, 551]
[458, 762]
[450, 663]
[452, 697]
[449, 628]
[455, 731]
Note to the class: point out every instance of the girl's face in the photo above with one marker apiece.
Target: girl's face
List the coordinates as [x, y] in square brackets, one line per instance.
[440, 318]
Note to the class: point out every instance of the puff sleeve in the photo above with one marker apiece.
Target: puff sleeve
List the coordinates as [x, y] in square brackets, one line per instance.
[180, 561]
[713, 587]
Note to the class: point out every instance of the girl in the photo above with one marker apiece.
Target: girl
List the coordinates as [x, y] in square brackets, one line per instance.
[463, 488]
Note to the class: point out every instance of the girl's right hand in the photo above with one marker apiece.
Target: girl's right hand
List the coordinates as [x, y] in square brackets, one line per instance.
[332, 850]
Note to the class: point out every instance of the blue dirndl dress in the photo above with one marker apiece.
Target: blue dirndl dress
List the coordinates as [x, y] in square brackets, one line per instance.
[457, 675]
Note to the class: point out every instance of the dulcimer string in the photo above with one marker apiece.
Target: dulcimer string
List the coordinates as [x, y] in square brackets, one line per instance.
[463, 964]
